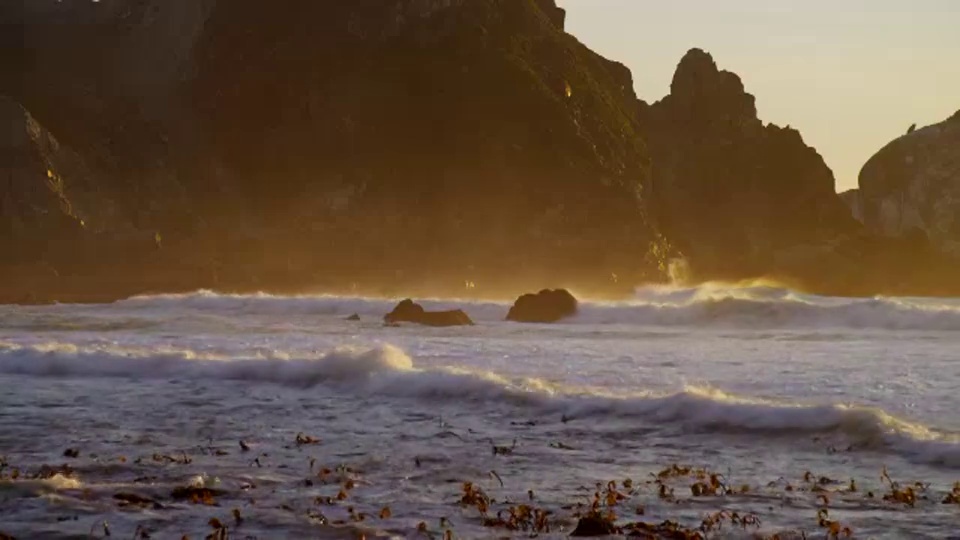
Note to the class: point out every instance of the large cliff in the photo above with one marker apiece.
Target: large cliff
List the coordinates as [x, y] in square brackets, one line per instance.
[438, 137]
[411, 146]
[323, 142]
[729, 190]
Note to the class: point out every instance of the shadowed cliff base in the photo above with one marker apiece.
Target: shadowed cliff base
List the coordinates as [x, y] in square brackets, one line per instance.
[418, 148]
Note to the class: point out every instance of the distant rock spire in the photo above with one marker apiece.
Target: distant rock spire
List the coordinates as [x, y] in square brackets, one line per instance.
[911, 129]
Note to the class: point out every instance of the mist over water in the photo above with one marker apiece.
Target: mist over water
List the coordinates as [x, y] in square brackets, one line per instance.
[716, 376]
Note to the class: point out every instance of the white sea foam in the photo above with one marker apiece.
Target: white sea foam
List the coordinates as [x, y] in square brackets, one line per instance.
[67, 359]
[386, 371]
[56, 482]
[706, 305]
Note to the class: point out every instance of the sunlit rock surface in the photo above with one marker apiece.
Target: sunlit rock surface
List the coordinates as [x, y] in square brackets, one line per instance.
[913, 184]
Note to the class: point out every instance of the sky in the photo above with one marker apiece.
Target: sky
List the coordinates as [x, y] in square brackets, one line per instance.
[851, 75]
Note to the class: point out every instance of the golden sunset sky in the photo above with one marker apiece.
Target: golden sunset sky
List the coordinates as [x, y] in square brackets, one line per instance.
[851, 75]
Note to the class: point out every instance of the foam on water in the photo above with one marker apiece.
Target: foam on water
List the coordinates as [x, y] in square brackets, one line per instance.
[387, 371]
[706, 305]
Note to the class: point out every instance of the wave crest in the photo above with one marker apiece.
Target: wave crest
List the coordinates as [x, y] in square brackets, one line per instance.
[761, 306]
[387, 371]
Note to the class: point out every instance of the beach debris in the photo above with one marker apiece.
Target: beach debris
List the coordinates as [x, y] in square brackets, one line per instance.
[497, 476]
[903, 495]
[716, 520]
[503, 450]
[594, 525]
[712, 485]
[219, 530]
[303, 439]
[183, 459]
[104, 526]
[835, 529]
[954, 496]
[132, 499]
[197, 495]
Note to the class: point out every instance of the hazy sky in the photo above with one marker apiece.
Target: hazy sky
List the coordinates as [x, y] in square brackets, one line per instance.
[851, 75]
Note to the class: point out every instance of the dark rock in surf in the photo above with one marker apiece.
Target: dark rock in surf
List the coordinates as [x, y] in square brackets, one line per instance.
[195, 493]
[353, 318]
[547, 306]
[593, 526]
[409, 311]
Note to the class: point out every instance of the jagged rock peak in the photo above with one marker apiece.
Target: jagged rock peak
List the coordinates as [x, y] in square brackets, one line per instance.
[557, 15]
[698, 79]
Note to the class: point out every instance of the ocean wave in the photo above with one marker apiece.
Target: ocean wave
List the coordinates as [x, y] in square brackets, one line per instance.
[789, 312]
[703, 306]
[387, 371]
[267, 304]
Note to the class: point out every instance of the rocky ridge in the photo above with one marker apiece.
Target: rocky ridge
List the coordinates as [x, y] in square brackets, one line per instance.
[414, 146]
[911, 187]
[729, 190]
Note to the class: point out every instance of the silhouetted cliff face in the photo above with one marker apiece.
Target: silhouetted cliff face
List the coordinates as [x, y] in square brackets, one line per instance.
[446, 134]
[330, 142]
[911, 187]
[730, 191]
[403, 146]
[34, 200]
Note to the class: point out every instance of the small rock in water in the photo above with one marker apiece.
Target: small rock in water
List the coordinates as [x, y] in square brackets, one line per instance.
[353, 317]
[72, 453]
[409, 311]
[546, 306]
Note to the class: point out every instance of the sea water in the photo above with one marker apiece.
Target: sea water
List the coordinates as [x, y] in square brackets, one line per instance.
[788, 397]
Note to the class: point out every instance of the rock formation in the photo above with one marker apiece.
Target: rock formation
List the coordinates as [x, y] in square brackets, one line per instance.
[410, 145]
[547, 306]
[466, 137]
[473, 138]
[851, 198]
[911, 187]
[729, 190]
[35, 201]
[410, 311]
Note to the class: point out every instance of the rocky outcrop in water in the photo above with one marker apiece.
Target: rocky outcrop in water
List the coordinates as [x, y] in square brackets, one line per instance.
[546, 306]
[729, 190]
[911, 187]
[411, 312]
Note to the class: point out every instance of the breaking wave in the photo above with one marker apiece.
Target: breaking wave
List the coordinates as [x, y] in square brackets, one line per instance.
[387, 371]
[704, 306]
